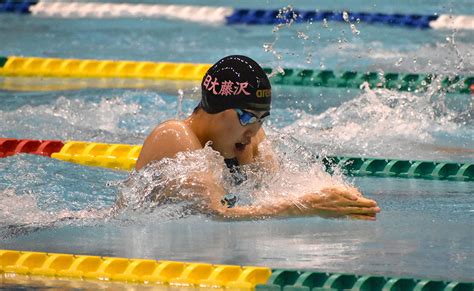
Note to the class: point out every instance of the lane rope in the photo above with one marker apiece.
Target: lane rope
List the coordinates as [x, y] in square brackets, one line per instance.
[13, 66]
[132, 270]
[203, 275]
[124, 157]
[229, 15]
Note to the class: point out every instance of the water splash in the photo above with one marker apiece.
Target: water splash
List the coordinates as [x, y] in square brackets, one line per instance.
[20, 214]
[382, 122]
[308, 36]
[123, 117]
[300, 172]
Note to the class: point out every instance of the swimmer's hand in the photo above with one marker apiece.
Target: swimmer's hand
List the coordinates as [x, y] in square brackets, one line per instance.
[338, 202]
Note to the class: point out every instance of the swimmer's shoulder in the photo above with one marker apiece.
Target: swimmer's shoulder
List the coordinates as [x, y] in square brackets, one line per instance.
[166, 140]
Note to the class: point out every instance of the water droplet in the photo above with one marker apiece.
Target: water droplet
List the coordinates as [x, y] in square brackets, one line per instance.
[354, 29]
[325, 23]
[345, 16]
[399, 62]
[302, 35]
[268, 47]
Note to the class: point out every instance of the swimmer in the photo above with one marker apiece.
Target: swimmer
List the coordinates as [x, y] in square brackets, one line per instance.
[236, 99]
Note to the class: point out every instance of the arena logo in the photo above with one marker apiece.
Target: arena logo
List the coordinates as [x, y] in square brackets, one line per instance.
[264, 93]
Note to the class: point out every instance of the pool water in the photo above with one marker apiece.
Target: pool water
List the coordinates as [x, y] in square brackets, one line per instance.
[425, 228]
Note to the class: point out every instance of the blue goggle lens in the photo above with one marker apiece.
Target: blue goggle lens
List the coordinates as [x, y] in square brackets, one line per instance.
[246, 117]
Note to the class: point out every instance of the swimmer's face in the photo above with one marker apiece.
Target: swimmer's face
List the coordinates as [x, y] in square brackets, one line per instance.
[231, 137]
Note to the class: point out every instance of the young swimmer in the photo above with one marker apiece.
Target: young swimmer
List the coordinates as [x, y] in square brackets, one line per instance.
[236, 98]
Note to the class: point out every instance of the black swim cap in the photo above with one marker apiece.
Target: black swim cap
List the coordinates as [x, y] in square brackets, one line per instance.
[235, 82]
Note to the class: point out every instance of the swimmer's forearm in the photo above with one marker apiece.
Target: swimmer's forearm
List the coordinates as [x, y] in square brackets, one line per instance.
[331, 202]
[283, 208]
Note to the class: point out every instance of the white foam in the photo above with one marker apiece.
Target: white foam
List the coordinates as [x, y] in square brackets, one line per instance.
[379, 122]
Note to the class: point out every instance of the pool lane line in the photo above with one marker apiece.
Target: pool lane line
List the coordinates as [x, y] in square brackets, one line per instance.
[83, 68]
[127, 270]
[416, 21]
[295, 280]
[16, 6]
[410, 82]
[12, 146]
[124, 157]
[80, 68]
[203, 275]
[231, 16]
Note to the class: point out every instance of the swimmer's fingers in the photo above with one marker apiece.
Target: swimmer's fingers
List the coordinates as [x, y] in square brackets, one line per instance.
[363, 217]
[360, 210]
[362, 202]
[352, 195]
[338, 191]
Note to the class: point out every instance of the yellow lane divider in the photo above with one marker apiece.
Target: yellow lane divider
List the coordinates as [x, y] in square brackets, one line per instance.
[132, 270]
[113, 156]
[76, 68]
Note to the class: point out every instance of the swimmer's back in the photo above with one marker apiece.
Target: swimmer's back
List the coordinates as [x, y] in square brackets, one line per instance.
[166, 140]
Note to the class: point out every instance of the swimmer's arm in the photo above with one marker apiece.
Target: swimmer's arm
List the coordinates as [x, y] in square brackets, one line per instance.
[330, 202]
[165, 141]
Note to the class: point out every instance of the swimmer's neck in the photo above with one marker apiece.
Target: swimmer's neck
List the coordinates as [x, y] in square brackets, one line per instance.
[199, 122]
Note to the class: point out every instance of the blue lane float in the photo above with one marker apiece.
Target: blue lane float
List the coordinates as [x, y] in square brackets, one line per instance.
[250, 16]
[20, 7]
[228, 15]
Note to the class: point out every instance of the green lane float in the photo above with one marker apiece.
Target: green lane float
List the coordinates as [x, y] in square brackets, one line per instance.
[292, 280]
[350, 79]
[379, 167]
[3, 60]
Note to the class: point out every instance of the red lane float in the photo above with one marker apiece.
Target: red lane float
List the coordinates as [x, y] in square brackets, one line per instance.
[13, 146]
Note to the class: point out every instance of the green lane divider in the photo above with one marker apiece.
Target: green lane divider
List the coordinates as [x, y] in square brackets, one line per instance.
[293, 280]
[350, 79]
[378, 167]
[3, 60]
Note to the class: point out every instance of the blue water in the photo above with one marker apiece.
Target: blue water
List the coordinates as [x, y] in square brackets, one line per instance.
[424, 229]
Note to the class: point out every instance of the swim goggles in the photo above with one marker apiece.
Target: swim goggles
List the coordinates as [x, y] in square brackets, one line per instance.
[247, 117]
